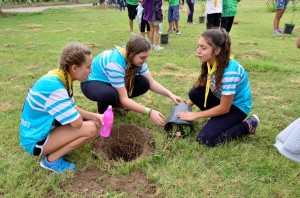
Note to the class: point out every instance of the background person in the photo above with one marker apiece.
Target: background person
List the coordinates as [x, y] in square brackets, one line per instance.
[153, 14]
[222, 92]
[121, 74]
[51, 123]
[229, 10]
[214, 13]
[132, 12]
[281, 6]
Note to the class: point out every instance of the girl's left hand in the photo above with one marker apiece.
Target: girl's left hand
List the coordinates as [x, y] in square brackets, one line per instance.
[190, 116]
[175, 99]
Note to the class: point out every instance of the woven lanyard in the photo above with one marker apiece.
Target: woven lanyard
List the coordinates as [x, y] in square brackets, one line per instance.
[216, 3]
[210, 71]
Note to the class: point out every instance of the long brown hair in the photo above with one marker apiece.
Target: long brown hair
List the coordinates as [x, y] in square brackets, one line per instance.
[137, 44]
[73, 54]
[217, 38]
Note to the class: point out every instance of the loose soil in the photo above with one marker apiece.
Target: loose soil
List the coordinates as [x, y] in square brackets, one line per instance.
[126, 142]
[94, 182]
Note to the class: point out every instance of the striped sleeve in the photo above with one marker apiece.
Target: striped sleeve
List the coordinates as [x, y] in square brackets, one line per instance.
[229, 82]
[143, 69]
[115, 74]
[61, 107]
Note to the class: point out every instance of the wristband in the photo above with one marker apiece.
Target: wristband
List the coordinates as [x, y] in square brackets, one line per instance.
[146, 112]
[150, 112]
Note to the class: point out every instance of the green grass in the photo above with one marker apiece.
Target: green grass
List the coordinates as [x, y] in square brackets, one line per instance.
[30, 45]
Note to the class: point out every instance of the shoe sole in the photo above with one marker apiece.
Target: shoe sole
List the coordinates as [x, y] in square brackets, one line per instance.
[256, 117]
[47, 168]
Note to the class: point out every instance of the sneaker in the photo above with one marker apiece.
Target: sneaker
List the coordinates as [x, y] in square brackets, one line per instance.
[276, 32]
[158, 48]
[132, 33]
[178, 32]
[280, 31]
[253, 122]
[59, 166]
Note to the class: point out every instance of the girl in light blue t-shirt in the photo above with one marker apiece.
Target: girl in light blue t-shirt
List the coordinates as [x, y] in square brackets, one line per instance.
[222, 92]
[51, 123]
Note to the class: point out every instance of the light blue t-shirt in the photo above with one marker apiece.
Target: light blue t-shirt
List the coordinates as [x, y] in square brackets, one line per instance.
[46, 102]
[109, 66]
[235, 81]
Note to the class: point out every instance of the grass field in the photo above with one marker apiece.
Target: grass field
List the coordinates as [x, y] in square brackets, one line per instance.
[30, 45]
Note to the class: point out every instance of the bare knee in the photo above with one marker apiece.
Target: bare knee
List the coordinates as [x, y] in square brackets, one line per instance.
[90, 129]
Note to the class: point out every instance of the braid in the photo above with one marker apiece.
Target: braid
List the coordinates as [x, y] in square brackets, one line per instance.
[69, 89]
[74, 54]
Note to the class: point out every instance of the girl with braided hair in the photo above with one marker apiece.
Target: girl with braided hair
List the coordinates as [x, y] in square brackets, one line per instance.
[51, 123]
[222, 92]
[121, 74]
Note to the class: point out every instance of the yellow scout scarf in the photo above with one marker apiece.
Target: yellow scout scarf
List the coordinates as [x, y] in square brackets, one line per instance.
[60, 74]
[122, 51]
[210, 71]
[216, 2]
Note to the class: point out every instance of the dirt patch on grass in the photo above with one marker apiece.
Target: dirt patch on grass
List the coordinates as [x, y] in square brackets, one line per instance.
[126, 142]
[94, 182]
[33, 26]
[247, 43]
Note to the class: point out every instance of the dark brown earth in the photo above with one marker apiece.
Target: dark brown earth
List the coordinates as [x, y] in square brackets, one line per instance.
[126, 142]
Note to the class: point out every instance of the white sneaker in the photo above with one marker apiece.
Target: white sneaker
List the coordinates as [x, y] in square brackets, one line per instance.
[132, 33]
[158, 48]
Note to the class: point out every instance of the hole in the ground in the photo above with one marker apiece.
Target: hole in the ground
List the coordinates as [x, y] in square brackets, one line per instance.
[126, 142]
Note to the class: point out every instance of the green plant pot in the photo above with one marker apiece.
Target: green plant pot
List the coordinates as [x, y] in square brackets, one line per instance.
[288, 28]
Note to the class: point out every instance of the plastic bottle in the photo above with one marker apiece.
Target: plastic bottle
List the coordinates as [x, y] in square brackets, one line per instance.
[160, 28]
[108, 119]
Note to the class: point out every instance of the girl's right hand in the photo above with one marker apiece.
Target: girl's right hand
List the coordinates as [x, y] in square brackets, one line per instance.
[157, 117]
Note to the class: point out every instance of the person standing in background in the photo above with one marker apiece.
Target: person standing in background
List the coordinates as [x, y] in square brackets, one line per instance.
[214, 13]
[281, 5]
[191, 4]
[174, 16]
[132, 12]
[153, 14]
[228, 13]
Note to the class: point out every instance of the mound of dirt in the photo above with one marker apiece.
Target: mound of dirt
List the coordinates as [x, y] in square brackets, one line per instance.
[94, 182]
[126, 142]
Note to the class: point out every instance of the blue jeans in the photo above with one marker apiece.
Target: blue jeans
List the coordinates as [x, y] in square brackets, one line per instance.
[191, 13]
[281, 4]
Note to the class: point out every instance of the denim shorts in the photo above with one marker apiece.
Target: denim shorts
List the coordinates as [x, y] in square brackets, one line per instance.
[173, 13]
[281, 4]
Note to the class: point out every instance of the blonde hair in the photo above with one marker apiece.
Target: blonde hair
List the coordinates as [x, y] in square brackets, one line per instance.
[73, 54]
[137, 44]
